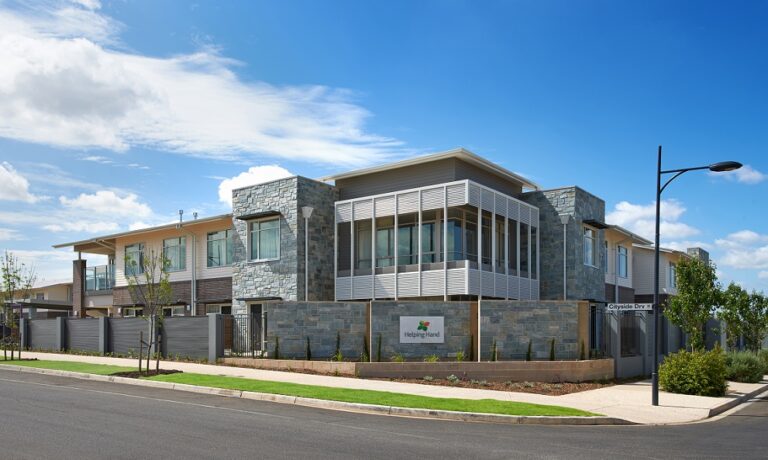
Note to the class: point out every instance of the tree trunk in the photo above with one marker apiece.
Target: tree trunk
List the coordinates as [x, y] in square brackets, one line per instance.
[141, 349]
[149, 339]
[157, 352]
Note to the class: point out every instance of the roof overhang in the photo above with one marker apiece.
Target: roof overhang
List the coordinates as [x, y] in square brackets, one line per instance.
[258, 215]
[47, 304]
[631, 236]
[460, 153]
[596, 224]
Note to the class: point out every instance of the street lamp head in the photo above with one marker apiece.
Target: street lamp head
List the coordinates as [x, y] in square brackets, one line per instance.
[306, 211]
[725, 166]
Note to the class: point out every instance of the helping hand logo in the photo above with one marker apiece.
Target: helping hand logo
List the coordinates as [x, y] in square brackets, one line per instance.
[423, 326]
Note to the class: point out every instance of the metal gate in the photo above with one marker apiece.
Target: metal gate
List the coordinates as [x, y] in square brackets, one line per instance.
[242, 335]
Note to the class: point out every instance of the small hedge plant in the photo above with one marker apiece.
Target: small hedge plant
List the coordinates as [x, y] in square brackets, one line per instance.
[701, 373]
[744, 366]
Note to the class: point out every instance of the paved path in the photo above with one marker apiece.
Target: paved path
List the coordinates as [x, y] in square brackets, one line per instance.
[629, 401]
[54, 417]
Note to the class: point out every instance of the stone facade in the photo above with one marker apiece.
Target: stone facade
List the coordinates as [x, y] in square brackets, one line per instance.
[284, 278]
[385, 320]
[583, 282]
[293, 322]
[512, 324]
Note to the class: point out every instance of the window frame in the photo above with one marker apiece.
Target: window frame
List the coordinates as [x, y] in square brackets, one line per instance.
[592, 252]
[182, 242]
[622, 262]
[228, 247]
[672, 278]
[251, 224]
[139, 263]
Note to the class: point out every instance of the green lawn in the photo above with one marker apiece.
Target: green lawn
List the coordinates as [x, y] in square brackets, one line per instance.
[487, 406]
[72, 366]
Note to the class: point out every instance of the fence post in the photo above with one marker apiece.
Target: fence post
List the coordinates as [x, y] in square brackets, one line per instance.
[615, 323]
[24, 331]
[61, 333]
[215, 337]
[103, 331]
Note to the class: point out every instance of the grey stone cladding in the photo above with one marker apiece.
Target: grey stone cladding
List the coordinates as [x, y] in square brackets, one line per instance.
[386, 321]
[583, 282]
[293, 322]
[284, 278]
[514, 323]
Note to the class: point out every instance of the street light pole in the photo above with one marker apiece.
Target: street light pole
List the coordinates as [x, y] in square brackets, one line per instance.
[723, 166]
[306, 211]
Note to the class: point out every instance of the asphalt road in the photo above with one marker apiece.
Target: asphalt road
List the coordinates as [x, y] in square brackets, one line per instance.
[61, 418]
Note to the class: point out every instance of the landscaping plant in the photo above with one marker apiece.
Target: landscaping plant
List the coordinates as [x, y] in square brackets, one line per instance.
[744, 366]
[309, 350]
[378, 349]
[460, 356]
[745, 315]
[16, 282]
[397, 358]
[698, 292]
[701, 373]
[552, 350]
[277, 348]
[337, 354]
[493, 350]
[530, 350]
[431, 359]
[365, 356]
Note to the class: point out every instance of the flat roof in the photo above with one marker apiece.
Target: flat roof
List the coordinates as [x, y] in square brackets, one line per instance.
[99, 240]
[458, 153]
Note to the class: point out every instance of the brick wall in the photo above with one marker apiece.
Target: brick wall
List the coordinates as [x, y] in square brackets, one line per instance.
[78, 287]
[217, 289]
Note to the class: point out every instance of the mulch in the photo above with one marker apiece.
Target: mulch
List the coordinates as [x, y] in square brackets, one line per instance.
[542, 388]
[137, 374]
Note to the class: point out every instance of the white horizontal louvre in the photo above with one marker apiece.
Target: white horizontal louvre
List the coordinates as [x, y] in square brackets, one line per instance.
[432, 282]
[535, 289]
[474, 194]
[535, 217]
[363, 209]
[344, 212]
[487, 200]
[525, 289]
[488, 289]
[407, 202]
[513, 287]
[385, 206]
[525, 214]
[474, 282]
[362, 286]
[432, 198]
[457, 281]
[344, 288]
[384, 286]
[501, 285]
[513, 209]
[457, 194]
[501, 204]
[408, 284]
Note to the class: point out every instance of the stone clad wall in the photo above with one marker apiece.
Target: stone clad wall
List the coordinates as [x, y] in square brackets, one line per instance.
[321, 268]
[386, 321]
[293, 322]
[514, 323]
[584, 282]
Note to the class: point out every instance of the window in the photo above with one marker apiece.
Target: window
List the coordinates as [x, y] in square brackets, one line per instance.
[589, 247]
[40, 296]
[221, 309]
[470, 236]
[455, 235]
[604, 257]
[524, 239]
[134, 259]
[430, 235]
[672, 275]
[133, 312]
[265, 239]
[623, 262]
[407, 240]
[534, 253]
[500, 239]
[363, 255]
[512, 237]
[385, 242]
[220, 248]
[485, 235]
[175, 253]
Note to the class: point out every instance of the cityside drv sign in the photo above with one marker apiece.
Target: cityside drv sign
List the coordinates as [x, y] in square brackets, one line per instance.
[422, 329]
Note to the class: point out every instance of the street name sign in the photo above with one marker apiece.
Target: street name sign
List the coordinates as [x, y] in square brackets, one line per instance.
[630, 307]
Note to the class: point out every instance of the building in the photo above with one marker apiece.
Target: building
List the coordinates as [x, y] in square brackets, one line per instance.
[618, 264]
[47, 299]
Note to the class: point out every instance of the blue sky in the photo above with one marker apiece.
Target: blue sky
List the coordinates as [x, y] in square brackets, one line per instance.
[115, 114]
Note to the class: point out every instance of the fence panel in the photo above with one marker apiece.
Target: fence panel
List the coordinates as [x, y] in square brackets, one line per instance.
[245, 337]
[43, 334]
[83, 334]
[124, 334]
[186, 337]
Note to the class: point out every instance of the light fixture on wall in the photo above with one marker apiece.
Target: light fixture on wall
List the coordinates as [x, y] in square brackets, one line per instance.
[306, 212]
[564, 219]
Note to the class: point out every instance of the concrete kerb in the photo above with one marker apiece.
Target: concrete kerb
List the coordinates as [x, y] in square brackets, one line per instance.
[336, 405]
[736, 401]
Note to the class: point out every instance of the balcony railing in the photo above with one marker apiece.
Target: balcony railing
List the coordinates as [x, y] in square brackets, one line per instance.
[100, 278]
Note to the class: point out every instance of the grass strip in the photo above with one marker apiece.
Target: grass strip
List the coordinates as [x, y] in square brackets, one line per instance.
[72, 366]
[384, 398]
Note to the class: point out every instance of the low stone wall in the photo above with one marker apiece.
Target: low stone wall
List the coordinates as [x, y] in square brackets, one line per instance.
[499, 371]
[323, 367]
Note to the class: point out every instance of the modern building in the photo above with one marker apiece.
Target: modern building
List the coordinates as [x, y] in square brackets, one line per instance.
[47, 299]
[618, 264]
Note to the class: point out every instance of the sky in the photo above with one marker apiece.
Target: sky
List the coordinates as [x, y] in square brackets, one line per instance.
[116, 114]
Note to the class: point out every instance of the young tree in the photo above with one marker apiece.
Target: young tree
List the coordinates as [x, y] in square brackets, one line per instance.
[149, 286]
[734, 301]
[697, 296]
[745, 315]
[16, 284]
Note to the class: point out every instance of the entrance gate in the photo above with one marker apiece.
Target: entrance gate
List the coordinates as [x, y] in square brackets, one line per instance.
[243, 335]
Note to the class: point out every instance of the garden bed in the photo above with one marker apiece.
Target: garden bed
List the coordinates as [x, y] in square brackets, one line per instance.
[542, 388]
[151, 373]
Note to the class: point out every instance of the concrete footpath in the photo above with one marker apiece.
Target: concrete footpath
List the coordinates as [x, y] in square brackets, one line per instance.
[631, 402]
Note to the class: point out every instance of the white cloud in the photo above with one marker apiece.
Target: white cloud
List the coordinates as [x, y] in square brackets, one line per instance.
[107, 202]
[55, 264]
[744, 249]
[763, 275]
[14, 186]
[62, 84]
[138, 225]
[254, 175]
[7, 234]
[98, 159]
[746, 175]
[85, 226]
[641, 219]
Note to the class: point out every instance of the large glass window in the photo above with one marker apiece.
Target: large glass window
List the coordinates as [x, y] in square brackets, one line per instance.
[385, 242]
[534, 253]
[407, 240]
[524, 241]
[363, 241]
[455, 236]
[623, 262]
[220, 248]
[344, 245]
[672, 275]
[175, 253]
[589, 246]
[430, 237]
[470, 236]
[512, 241]
[265, 239]
[604, 257]
[134, 259]
[500, 240]
[487, 239]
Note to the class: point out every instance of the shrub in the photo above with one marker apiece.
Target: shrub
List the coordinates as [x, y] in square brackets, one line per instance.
[453, 379]
[763, 355]
[744, 366]
[365, 356]
[552, 350]
[700, 373]
[397, 358]
[428, 378]
[378, 349]
[529, 352]
[277, 347]
[460, 356]
[471, 347]
[431, 359]
[493, 350]
[309, 351]
[338, 345]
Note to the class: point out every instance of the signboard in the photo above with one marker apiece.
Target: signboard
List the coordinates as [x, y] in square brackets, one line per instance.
[422, 329]
[630, 307]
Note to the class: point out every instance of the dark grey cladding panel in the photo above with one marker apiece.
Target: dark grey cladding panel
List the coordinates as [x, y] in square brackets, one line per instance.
[124, 334]
[42, 333]
[186, 337]
[83, 334]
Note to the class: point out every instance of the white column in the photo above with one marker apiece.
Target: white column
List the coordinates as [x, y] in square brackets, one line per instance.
[418, 229]
[373, 249]
[445, 243]
[506, 250]
[396, 259]
[335, 251]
